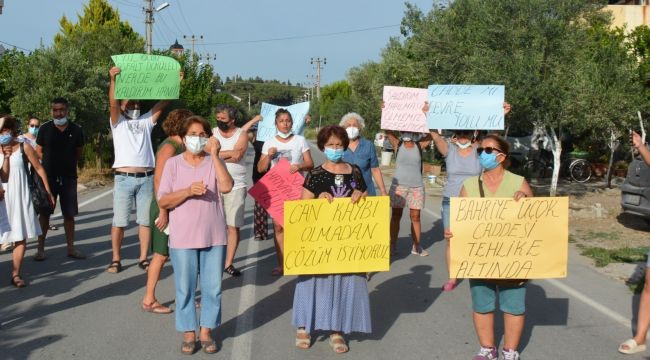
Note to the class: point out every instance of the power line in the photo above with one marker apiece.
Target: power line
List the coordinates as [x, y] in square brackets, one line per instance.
[125, 3]
[296, 37]
[15, 46]
[180, 9]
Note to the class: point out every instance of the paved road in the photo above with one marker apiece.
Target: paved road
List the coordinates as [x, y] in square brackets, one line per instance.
[74, 309]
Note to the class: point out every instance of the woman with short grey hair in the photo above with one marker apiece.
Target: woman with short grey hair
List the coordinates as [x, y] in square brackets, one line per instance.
[361, 152]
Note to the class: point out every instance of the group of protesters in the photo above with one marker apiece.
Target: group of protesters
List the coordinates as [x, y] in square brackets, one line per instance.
[189, 198]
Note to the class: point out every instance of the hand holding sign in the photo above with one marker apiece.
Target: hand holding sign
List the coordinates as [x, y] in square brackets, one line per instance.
[502, 238]
[146, 77]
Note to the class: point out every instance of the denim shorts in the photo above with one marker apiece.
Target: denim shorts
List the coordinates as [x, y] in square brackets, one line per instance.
[512, 299]
[445, 212]
[127, 192]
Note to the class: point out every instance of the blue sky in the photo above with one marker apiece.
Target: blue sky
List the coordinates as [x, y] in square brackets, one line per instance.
[232, 29]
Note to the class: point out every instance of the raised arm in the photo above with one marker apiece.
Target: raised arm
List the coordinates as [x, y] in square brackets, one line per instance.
[112, 102]
[438, 140]
[251, 122]
[4, 172]
[392, 139]
[640, 146]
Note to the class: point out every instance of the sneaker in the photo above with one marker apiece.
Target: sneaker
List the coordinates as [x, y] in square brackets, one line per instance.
[487, 354]
[419, 251]
[509, 354]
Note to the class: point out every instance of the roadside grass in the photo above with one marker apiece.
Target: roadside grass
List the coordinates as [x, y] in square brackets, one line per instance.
[603, 257]
[94, 174]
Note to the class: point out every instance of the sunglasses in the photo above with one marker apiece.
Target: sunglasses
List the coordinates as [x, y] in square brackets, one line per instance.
[33, 126]
[488, 150]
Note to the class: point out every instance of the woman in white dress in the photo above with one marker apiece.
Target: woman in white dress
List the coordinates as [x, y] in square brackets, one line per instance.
[20, 209]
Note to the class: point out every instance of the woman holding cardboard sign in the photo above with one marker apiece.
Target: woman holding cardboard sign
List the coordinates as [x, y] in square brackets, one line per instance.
[335, 303]
[496, 181]
[295, 149]
[461, 162]
[407, 187]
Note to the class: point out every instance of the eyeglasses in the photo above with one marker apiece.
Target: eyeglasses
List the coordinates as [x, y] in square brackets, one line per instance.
[488, 150]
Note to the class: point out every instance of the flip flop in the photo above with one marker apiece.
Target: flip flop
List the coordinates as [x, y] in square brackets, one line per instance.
[156, 308]
[632, 347]
[449, 285]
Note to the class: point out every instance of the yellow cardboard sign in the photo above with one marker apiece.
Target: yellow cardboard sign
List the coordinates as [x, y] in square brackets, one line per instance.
[338, 237]
[499, 238]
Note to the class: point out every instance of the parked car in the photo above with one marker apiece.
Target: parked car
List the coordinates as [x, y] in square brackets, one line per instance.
[635, 191]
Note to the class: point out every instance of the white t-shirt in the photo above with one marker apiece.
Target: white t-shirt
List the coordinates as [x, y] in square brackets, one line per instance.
[237, 170]
[291, 150]
[132, 142]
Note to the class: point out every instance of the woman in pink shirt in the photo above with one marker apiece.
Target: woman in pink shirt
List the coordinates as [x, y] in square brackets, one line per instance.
[197, 230]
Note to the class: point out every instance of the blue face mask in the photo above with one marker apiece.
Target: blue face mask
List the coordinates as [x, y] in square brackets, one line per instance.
[334, 155]
[5, 139]
[33, 131]
[488, 161]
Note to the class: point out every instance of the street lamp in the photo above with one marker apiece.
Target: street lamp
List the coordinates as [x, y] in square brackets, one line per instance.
[162, 6]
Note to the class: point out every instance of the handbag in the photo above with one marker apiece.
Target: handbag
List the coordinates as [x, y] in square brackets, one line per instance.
[36, 187]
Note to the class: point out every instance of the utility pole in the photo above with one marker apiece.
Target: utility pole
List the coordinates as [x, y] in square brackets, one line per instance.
[311, 80]
[319, 65]
[208, 57]
[148, 21]
[193, 39]
[149, 24]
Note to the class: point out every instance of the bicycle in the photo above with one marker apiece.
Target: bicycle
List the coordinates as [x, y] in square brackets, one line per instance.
[578, 170]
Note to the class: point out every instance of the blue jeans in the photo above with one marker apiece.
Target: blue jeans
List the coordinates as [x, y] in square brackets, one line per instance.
[445, 213]
[188, 265]
[128, 190]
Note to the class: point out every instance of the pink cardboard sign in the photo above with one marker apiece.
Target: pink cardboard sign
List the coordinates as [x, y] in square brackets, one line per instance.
[276, 187]
[403, 109]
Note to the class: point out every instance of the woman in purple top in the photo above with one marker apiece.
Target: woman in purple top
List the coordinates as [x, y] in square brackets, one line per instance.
[197, 229]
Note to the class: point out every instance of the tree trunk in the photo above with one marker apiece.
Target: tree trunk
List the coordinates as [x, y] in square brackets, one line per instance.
[613, 145]
[556, 147]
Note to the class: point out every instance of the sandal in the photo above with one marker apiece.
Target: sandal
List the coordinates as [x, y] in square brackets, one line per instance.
[303, 342]
[115, 267]
[188, 347]
[40, 256]
[338, 344]
[144, 264]
[278, 271]
[232, 271]
[420, 252]
[20, 283]
[156, 308]
[209, 347]
[77, 255]
[632, 347]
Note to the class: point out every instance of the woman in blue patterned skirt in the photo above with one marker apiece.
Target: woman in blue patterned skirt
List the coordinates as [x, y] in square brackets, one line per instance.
[335, 303]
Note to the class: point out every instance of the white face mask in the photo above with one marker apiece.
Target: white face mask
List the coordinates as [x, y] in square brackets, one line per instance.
[195, 144]
[463, 146]
[60, 122]
[133, 114]
[283, 135]
[353, 132]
